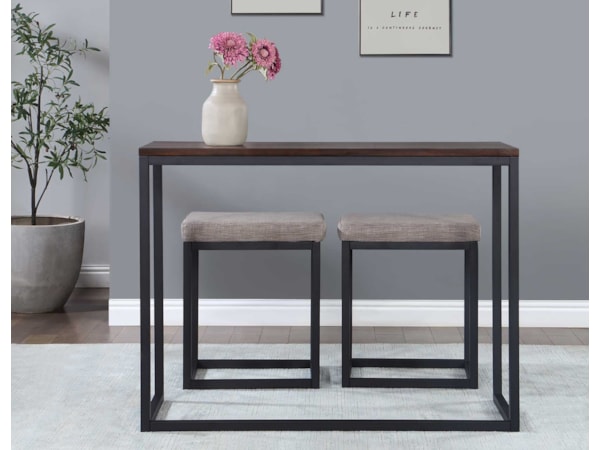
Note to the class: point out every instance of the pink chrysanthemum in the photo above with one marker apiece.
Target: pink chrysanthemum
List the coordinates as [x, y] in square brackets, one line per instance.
[275, 67]
[264, 53]
[232, 46]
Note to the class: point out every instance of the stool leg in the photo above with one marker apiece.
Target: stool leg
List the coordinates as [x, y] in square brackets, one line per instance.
[194, 312]
[346, 313]
[315, 312]
[467, 312]
[471, 313]
[187, 302]
[473, 324]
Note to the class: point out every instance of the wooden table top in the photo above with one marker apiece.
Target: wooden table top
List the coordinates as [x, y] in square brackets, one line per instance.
[329, 149]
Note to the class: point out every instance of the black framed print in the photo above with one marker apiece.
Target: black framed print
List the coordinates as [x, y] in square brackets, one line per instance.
[405, 27]
[276, 6]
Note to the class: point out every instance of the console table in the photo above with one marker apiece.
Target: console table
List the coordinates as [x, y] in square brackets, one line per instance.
[155, 155]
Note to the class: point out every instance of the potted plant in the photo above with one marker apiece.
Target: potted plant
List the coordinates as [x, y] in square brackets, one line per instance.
[53, 135]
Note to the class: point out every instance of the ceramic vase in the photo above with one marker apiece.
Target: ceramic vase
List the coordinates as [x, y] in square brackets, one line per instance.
[224, 115]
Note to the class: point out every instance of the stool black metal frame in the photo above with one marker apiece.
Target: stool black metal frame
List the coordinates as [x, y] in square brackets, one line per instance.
[191, 363]
[155, 155]
[469, 362]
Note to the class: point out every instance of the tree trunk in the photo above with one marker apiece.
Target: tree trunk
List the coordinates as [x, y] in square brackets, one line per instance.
[33, 208]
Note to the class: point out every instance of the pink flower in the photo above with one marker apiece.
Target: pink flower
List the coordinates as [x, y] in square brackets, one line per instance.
[254, 54]
[264, 53]
[275, 67]
[231, 46]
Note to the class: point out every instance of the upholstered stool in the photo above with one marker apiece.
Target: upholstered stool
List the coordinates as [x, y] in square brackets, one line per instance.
[401, 231]
[248, 231]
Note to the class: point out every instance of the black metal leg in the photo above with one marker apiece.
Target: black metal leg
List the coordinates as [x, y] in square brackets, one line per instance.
[157, 221]
[188, 254]
[193, 320]
[509, 410]
[513, 291]
[315, 313]
[145, 338]
[497, 280]
[467, 313]
[473, 324]
[346, 313]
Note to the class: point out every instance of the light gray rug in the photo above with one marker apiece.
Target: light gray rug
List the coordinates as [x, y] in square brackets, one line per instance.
[87, 397]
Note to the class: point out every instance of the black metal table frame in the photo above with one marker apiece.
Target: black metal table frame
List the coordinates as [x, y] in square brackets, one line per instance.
[151, 212]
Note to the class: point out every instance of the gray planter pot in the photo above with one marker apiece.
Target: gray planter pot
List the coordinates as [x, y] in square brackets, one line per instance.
[45, 262]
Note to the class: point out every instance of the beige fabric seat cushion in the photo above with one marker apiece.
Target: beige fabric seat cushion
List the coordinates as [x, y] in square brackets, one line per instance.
[202, 226]
[409, 228]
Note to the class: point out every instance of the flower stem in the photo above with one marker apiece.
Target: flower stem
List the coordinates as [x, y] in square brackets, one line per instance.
[233, 77]
[219, 65]
[244, 72]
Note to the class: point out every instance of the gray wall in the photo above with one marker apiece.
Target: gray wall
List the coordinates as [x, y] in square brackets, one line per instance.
[79, 20]
[519, 74]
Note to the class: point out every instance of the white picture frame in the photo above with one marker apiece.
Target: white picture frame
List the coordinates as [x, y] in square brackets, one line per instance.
[405, 27]
[276, 6]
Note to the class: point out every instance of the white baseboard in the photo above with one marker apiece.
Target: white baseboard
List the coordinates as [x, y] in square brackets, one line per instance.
[432, 313]
[94, 276]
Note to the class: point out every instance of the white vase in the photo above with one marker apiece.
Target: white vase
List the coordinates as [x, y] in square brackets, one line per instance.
[224, 115]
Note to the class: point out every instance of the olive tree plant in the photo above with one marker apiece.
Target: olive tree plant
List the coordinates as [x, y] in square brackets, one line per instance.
[52, 131]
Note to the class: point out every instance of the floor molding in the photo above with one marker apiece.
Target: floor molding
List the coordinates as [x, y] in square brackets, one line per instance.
[94, 276]
[292, 312]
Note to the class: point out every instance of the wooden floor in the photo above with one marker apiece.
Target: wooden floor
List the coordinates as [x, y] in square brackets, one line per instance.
[85, 320]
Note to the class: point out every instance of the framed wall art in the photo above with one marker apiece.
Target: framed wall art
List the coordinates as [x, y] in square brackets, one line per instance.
[276, 6]
[405, 27]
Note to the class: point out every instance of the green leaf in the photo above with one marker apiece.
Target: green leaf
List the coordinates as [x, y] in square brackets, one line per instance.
[210, 67]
